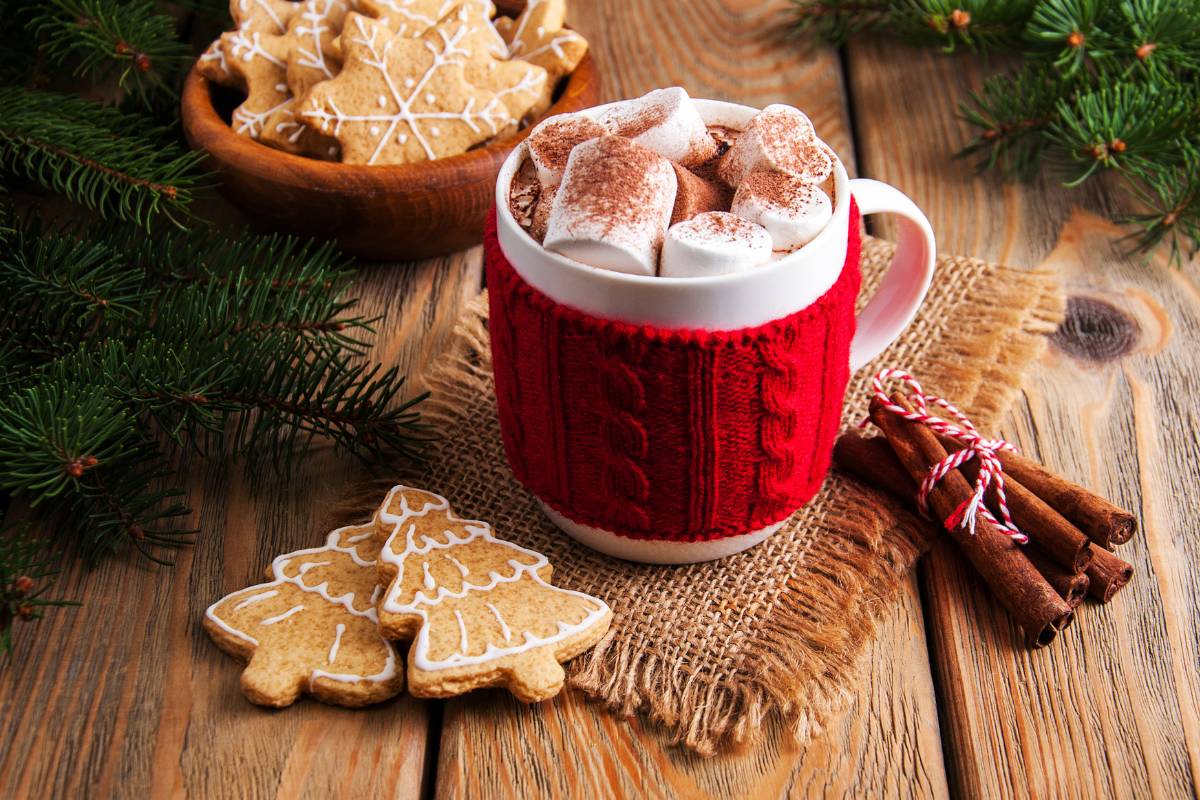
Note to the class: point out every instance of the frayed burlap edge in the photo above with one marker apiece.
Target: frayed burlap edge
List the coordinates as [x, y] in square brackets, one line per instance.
[806, 661]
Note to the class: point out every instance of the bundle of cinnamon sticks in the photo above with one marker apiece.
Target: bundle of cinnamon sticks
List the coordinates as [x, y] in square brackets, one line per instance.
[1071, 530]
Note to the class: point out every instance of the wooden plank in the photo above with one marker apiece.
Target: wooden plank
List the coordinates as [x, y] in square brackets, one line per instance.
[888, 742]
[1111, 708]
[127, 697]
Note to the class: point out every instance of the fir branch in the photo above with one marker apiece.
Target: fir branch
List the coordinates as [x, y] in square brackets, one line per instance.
[1124, 127]
[105, 159]
[132, 41]
[67, 445]
[1012, 112]
[974, 24]
[25, 577]
[1107, 86]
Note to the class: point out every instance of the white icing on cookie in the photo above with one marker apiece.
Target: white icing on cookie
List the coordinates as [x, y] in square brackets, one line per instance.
[499, 619]
[462, 568]
[402, 526]
[249, 601]
[463, 645]
[314, 22]
[337, 642]
[266, 590]
[493, 115]
[283, 616]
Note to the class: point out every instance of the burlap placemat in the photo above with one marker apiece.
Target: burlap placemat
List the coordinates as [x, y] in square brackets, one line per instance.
[708, 650]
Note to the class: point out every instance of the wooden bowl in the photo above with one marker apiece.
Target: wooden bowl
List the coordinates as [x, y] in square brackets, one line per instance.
[384, 213]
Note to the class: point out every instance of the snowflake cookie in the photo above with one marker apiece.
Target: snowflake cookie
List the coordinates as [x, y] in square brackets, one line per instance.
[480, 611]
[399, 100]
[313, 629]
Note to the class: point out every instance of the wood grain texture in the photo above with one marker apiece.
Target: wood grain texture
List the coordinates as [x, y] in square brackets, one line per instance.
[888, 741]
[1110, 709]
[126, 697]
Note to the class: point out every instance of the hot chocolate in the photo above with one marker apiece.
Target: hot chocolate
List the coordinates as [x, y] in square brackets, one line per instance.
[609, 189]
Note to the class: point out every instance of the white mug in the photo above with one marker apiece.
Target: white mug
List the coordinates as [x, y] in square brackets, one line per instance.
[729, 302]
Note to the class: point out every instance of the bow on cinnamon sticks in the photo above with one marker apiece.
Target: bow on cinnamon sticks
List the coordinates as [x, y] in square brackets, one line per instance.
[1041, 582]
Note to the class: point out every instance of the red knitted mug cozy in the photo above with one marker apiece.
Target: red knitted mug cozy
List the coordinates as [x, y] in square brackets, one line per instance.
[666, 434]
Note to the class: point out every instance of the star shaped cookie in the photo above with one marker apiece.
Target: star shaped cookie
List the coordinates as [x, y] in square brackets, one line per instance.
[538, 36]
[399, 100]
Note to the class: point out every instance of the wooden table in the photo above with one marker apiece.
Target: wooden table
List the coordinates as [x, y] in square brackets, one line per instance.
[128, 697]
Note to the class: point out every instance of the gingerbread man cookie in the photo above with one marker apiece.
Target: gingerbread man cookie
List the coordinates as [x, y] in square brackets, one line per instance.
[313, 629]
[399, 100]
[538, 36]
[481, 611]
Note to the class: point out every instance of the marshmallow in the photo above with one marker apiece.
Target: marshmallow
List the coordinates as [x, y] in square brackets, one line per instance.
[696, 195]
[781, 138]
[613, 206]
[713, 243]
[666, 121]
[551, 142]
[791, 210]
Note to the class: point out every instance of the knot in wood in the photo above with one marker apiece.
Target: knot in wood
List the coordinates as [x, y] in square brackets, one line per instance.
[1095, 330]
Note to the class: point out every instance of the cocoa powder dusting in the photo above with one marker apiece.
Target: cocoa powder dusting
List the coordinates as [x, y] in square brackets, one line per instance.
[639, 122]
[718, 225]
[779, 188]
[613, 186]
[554, 141]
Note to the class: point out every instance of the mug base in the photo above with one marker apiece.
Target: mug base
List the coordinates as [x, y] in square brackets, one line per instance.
[657, 551]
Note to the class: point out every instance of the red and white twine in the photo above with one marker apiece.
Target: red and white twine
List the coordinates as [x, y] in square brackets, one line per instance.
[991, 475]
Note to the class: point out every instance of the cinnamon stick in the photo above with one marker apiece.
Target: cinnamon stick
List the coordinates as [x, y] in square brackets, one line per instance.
[1013, 579]
[1098, 519]
[1108, 574]
[873, 461]
[1071, 586]
[1054, 534]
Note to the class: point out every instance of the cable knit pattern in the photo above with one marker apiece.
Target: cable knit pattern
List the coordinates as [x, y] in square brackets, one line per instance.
[684, 435]
[624, 437]
[779, 394]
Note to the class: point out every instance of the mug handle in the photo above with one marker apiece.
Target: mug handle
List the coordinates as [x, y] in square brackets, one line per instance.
[908, 276]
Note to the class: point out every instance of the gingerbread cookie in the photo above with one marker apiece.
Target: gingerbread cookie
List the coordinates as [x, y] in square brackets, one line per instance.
[481, 611]
[518, 84]
[313, 629]
[284, 129]
[538, 36]
[312, 55]
[269, 17]
[399, 100]
[252, 58]
[409, 18]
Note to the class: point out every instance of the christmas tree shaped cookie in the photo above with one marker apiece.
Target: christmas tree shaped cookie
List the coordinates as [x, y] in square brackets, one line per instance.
[313, 629]
[480, 611]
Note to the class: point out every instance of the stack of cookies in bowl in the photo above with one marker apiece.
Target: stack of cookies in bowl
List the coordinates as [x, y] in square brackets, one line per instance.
[380, 124]
[384, 82]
